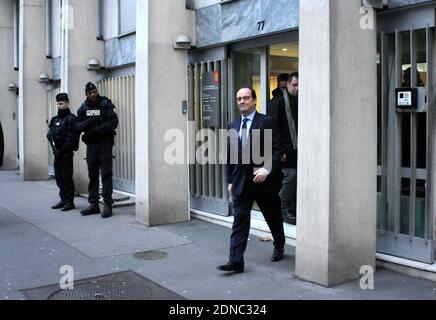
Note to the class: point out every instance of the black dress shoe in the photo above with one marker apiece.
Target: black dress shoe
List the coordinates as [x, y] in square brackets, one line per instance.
[93, 209]
[289, 217]
[292, 220]
[69, 207]
[277, 254]
[229, 267]
[107, 211]
[60, 205]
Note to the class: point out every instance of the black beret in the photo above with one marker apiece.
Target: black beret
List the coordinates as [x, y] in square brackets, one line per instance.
[62, 97]
[90, 87]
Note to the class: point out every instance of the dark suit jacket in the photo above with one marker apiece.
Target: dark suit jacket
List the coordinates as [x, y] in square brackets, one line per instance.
[282, 123]
[241, 175]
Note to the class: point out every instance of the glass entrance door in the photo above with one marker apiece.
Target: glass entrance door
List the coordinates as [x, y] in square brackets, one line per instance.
[283, 58]
[250, 63]
[259, 68]
[248, 72]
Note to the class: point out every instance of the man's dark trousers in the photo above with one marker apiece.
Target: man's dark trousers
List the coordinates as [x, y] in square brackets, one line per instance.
[270, 205]
[99, 157]
[63, 166]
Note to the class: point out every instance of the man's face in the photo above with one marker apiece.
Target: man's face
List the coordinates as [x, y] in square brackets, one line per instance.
[92, 95]
[293, 87]
[283, 84]
[62, 105]
[246, 103]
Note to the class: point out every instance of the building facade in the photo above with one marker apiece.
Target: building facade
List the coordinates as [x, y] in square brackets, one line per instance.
[365, 173]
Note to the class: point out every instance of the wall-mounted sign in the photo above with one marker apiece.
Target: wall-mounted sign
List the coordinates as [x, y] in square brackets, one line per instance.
[211, 94]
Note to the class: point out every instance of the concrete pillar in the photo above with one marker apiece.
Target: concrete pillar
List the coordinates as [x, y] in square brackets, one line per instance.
[33, 111]
[82, 46]
[9, 107]
[161, 86]
[336, 232]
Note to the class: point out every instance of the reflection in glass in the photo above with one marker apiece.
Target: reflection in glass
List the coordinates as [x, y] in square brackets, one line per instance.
[405, 140]
[405, 57]
[421, 143]
[420, 208]
[247, 73]
[379, 203]
[405, 206]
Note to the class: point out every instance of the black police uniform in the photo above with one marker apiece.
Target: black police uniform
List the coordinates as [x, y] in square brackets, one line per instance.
[98, 120]
[64, 140]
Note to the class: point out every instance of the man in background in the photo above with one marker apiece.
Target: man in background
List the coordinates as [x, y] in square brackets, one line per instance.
[287, 121]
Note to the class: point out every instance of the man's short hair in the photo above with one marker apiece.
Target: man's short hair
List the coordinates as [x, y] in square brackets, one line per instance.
[284, 77]
[253, 92]
[293, 75]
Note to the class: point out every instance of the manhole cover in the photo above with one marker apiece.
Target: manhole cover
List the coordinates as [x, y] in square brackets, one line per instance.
[97, 290]
[126, 285]
[151, 255]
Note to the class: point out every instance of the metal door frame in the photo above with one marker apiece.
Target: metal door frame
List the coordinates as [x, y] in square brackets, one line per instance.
[389, 238]
[207, 183]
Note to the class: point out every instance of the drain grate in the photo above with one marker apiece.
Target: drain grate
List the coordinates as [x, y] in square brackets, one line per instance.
[151, 255]
[126, 285]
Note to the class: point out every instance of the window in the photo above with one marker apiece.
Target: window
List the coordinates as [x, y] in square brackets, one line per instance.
[127, 16]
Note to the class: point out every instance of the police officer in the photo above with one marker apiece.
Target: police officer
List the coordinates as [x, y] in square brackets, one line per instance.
[98, 120]
[64, 140]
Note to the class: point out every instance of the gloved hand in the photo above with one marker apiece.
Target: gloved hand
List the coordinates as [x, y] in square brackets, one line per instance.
[96, 121]
[92, 132]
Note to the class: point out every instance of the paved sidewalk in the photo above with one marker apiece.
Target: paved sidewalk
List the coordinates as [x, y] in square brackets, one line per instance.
[36, 241]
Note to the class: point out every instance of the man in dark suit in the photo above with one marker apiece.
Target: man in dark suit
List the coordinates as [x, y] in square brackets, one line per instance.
[251, 181]
[274, 104]
[287, 122]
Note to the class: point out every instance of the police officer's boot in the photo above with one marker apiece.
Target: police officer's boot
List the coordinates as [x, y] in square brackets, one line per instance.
[68, 207]
[60, 205]
[107, 211]
[94, 208]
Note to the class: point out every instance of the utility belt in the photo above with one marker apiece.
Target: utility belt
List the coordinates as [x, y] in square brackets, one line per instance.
[98, 139]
